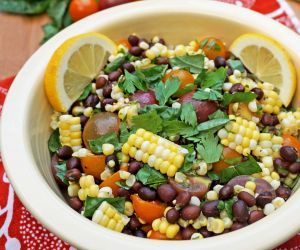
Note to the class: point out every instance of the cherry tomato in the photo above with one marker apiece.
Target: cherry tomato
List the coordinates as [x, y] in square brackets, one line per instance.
[147, 210]
[93, 165]
[228, 153]
[104, 4]
[213, 47]
[292, 141]
[111, 182]
[124, 42]
[79, 9]
[184, 76]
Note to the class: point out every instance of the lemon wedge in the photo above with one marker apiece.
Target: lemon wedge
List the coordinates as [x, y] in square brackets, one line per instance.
[73, 66]
[269, 61]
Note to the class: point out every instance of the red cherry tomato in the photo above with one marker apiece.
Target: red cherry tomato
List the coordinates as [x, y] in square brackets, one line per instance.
[104, 4]
[79, 9]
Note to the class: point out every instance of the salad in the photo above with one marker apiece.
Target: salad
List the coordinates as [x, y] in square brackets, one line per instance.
[173, 142]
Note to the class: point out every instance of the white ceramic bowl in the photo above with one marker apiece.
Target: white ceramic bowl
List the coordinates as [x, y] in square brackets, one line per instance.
[26, 114]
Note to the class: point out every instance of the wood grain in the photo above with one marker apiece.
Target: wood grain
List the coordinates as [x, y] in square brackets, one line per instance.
[20, 36]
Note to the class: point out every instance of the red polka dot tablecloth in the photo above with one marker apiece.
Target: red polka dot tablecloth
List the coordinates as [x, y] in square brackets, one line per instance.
[19, 230]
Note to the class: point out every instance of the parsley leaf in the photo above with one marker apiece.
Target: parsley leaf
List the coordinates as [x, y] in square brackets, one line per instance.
[209, 148]
[131, 83]
[207, 94]
[152, 75]
[215, 79]
[238, 97]
[212, 45]
[96, 144]
[194, 63]
[149, 121]
[236, 65]
[114, 65]
[213, 176]
[61, 170]
[188, 159]
[124, 133]
[176, 127]
[54, 142]
[122, 184]
[187, 88]
[233, 161]
[212, 124]
[166, 113]
[150, 177]
[85, 92]
[218, 114]
[200, 78]
[91, 204]
[188, 114]
[228, 206]
[163, 91]
[244, 168]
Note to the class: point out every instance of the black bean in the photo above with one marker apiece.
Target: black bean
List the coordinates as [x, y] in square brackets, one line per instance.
[83, 120]
[240, 211]
[135, 50]
[101, 82]
[133, 40]
[229, 71]
[166, 192]
[283, 192]
[122, 192]
[162, 41]
[259, 93]
[134, 223]
[226, 192]
[263, 199]
[136, 186]
[248, 198]
[107, 89]
[190, 212]
[162, 60]
[220, 61]
[65, 152]
[255, 216]
[147, 194]
[127, 231]
[205, 233]
[73, 174]
[91, 101]
[75, 203]
[112, 162]
[288, 153]
[134, 167]
[237, 225]
[129, 67]
[183, 198]
[172, 216]
[114, 76]
[139, 233]
[236, 88]
[74, 162]
[187, 232]
[210, 209]
[269, 120]
[295, 168]
[278, 162]
[106, 101]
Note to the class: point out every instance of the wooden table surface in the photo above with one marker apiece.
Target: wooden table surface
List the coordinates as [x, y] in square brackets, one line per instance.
[20, 37]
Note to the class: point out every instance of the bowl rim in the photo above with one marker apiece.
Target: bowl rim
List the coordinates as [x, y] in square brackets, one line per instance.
[88, 235]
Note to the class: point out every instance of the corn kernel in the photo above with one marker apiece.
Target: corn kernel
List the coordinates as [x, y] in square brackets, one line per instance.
[108, 149]
[250, 185]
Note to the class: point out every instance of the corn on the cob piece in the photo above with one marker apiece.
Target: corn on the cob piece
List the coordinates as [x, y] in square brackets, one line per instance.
[160, 153]
[271, 102]
[164, 227]
[107, 216]
[70, 131]
[54, 120]
[87, 187]
[290, 122]
[240, 135]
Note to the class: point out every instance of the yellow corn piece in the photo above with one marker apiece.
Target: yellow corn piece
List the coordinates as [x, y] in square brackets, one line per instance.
[240, 135]
[160, 153]
[70, 131]
[164, 227]
[290, 122]
[271, 102]
[87, 187]
[106, 215]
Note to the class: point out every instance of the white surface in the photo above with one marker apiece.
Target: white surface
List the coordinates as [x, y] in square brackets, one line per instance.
[26, 115]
